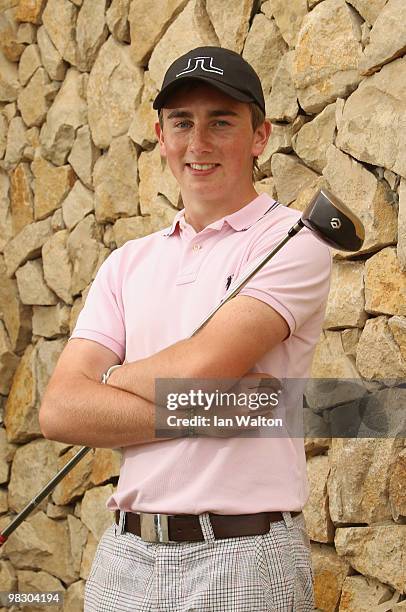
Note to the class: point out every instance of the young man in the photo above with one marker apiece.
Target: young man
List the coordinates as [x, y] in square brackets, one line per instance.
[226, 511]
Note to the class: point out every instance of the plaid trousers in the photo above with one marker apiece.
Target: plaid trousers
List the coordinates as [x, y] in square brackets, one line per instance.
[265, 573]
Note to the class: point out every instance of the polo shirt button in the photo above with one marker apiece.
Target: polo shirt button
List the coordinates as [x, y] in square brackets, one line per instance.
[196, 247]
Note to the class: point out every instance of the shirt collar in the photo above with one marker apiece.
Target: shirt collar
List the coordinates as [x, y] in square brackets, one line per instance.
[240, 220]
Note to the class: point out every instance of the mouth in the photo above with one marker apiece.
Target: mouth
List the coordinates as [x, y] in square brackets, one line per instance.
[202, 169]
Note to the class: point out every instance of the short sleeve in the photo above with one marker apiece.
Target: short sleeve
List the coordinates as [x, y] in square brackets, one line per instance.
[296, 281]
[102, 316]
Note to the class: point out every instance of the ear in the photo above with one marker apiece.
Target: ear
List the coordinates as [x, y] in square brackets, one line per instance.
[261, 137]
[160, 137]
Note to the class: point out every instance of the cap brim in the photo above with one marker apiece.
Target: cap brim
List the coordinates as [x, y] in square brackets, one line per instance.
[159, 101]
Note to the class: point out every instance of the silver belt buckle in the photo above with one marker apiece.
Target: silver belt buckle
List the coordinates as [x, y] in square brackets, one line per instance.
[154, 527]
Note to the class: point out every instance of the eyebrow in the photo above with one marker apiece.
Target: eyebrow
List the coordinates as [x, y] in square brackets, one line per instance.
[177, 113]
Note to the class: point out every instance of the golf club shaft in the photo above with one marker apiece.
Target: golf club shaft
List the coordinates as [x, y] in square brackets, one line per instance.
[85, 449]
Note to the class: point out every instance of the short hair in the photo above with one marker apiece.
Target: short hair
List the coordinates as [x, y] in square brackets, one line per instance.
[257, 119]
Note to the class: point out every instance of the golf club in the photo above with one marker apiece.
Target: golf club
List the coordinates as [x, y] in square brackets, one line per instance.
[326, 217]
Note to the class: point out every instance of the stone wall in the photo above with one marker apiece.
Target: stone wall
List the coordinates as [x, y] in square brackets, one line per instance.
[80, 173]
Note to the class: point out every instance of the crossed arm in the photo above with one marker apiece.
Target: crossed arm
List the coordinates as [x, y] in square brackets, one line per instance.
[78, 409]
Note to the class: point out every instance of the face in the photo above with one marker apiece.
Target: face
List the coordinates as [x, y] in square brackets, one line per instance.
[209, 143]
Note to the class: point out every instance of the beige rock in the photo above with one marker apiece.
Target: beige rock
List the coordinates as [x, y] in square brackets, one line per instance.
[7, 452]
[316, 446]
[58, 512]
[385, 284]
[67, 113]
[51, 186]
[387, 39]
[168, 185]
[359, 479]
[78, 535]
[307, 193]
[289, 17]
[29, 62]
[91, 32]
[74, 597]
[401, 248]
[372, 125]
[21, 197]
[130, 228]
[367, 197]
[362, 594]
[16, 142]
[41, 458]
[106, 464]
[346, 301]
[48, 352]
[231, 27]
[57, 221]
[88, 555]
[21, 419]
[9, 110]
[281, 104]
[266, 185]
[6, 222]
[368, 9]
[43, 544]
[328, 50]
[114, 90]
[397, 496]
[84, 155]
[6, 4]
[26, 245]
[31, 284]
[74, 313]
[115, 182]
[314, 138]
[316, 513]
[8, 361]
[41, 582]
[8, 576]
[59, 19]
[50, 57]
[9, 84]
[280, 141]
[77, 205]
[26, 33]
[150, 170]
[3, 502]
[142, 130]
[57, 266]
[264, 49]
[86, 252]
[330, 359]
[11, 48]
[36, 97]
[378, 355]
[94, 514]
[76, 481]
[290, 176]
[194, 20]
[329, 574]
[376, 551]
[30, 10]
[397, 326]
[117, 20]
[16, 316]
[145, 33]
[3, 135]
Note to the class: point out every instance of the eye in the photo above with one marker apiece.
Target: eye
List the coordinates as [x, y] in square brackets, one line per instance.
[221, 123]
[183, 124]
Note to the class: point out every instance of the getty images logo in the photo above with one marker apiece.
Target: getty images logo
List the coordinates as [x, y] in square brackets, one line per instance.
[205, 63]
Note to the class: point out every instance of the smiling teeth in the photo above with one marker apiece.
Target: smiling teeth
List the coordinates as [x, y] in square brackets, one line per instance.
[202, 166]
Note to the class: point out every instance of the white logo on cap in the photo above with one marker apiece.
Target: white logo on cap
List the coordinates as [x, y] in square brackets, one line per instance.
[200, 62]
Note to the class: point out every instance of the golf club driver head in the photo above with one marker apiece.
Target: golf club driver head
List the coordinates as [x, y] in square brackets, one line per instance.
[333, 222]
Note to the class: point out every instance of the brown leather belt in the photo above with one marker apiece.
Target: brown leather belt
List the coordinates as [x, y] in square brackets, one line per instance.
[186, 527]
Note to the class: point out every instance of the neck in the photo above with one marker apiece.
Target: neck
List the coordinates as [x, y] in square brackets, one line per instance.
[200, 214]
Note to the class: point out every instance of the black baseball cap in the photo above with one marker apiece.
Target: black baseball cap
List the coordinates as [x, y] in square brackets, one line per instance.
[222, 68]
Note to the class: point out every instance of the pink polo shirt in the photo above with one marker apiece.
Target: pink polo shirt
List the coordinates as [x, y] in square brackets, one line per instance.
[153, 292]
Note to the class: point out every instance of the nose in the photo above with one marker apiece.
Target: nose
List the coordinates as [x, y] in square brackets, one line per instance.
[200, 141]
